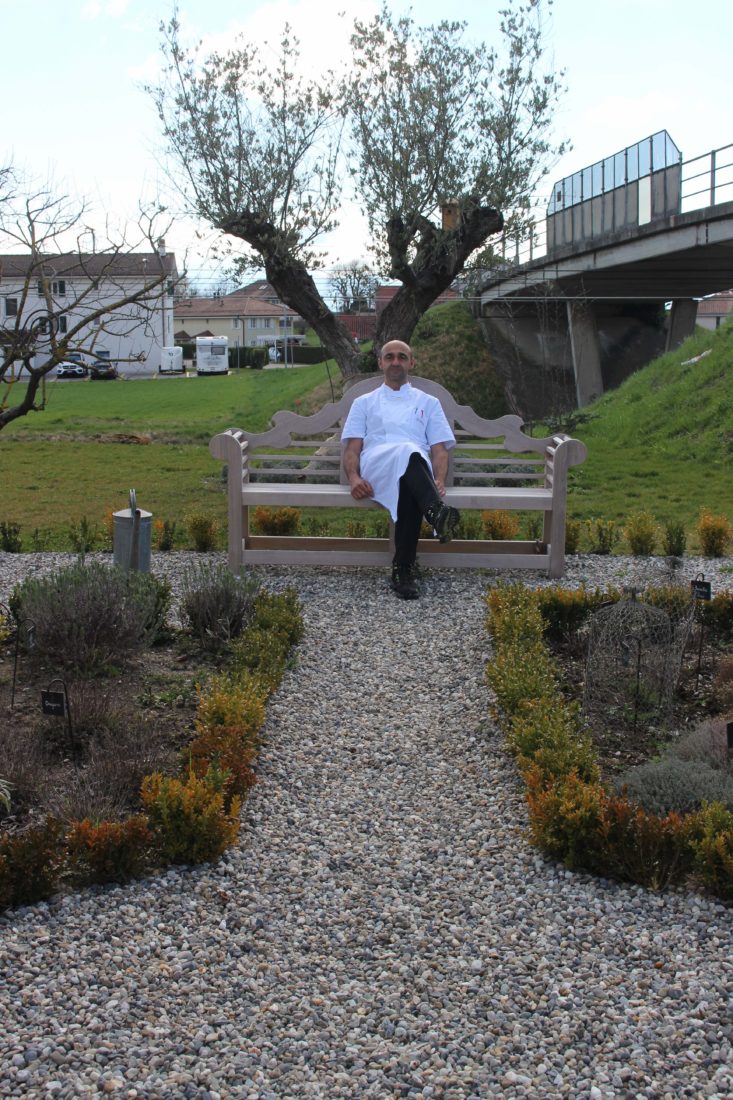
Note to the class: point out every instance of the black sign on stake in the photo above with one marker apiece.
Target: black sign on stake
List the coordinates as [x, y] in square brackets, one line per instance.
[700, 588]
[56, 705]
[729, 735]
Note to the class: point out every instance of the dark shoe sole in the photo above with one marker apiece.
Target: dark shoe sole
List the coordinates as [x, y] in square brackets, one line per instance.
[449, 525]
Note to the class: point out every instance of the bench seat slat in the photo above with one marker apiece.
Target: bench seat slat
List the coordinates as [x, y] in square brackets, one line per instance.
[307, 495]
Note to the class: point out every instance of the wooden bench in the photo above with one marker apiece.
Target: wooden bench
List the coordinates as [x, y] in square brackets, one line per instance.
[494, 466]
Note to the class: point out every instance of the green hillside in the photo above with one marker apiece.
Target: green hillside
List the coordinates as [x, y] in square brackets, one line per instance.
[663, 441]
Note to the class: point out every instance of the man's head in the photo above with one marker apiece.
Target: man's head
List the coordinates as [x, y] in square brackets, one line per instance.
[396, 361]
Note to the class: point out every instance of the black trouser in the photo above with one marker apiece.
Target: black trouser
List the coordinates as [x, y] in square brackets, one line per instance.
[417, 493]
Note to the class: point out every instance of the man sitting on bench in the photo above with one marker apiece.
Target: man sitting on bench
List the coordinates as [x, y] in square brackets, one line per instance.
[395, 449]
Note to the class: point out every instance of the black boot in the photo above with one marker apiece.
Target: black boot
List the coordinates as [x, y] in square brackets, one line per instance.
[402, 582]
[443, 519]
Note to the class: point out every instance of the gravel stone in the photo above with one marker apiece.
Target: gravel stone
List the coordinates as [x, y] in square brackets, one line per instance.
[382, 928]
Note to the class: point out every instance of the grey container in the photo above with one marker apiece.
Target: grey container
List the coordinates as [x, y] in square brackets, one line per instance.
[132, 534]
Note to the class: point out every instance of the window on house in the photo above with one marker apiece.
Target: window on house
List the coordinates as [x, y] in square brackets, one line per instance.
[235, 322]
[59, 287]
[11, 307]
[62, 324]
[284, 322]
[266, 322]
[253, 322]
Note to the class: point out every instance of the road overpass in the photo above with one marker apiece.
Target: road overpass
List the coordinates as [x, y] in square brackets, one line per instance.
[582, 305]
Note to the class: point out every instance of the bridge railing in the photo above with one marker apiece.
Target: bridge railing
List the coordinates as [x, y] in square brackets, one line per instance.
[706, 181]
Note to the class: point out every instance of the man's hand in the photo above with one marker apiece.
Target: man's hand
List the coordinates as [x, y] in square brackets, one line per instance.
[360, 488]
[440, 485]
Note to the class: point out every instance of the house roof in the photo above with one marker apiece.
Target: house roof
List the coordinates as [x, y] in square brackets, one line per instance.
[260, 288]
[230, 305]
[69, 265]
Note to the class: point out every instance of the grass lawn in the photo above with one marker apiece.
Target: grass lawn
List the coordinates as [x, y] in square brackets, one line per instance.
[662, 443]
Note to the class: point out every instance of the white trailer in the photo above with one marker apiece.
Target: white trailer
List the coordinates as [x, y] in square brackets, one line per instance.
[212, 354]
[171, 361]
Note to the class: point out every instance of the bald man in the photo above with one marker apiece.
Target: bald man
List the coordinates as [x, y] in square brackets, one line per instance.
[396, 441]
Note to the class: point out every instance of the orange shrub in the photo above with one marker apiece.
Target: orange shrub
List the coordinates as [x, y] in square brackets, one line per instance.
[113, 851]
[500, 525]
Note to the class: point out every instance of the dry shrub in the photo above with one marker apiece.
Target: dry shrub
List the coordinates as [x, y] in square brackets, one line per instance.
[707, 742]
[277, 521]
[215, 605]
[30, 863]
[105, 784]
[500, 525]
[723, 684]
[23, 760]
[714, 532]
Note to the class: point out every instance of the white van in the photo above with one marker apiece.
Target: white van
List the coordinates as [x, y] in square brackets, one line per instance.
[171, 361]
[212, 355]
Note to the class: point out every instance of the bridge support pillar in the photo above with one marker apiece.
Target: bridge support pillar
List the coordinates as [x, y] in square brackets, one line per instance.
[586, 353]
[681, 322]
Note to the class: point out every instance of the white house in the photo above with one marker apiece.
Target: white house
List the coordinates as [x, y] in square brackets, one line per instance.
[111, 306]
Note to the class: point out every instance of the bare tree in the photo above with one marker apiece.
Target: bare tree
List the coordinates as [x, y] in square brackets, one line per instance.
[427, 121]
[64, 289]
[354, 286]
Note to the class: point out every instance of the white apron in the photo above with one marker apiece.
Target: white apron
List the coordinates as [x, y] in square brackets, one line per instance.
[394, 424]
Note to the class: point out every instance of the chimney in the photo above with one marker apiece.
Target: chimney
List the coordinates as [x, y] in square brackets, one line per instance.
[161, 246]
[451, 214]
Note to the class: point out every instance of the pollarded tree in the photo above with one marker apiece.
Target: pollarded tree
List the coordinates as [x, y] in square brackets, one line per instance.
[61, 297]
[421, 121]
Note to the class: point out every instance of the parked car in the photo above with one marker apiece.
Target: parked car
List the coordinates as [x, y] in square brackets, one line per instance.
[71, 370]
[103, 369]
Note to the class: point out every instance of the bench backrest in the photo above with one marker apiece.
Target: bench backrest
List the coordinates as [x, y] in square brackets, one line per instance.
[308, 448]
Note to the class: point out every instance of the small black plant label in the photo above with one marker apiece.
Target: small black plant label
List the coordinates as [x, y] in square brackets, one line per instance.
[53, 703]
[701, 590]
[729, 735]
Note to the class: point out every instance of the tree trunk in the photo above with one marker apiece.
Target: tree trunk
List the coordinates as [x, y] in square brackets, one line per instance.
[440, 256]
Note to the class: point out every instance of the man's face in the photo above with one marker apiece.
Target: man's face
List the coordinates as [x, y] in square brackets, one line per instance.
[396, 362]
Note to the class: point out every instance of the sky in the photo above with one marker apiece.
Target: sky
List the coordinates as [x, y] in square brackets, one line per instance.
[76, 114]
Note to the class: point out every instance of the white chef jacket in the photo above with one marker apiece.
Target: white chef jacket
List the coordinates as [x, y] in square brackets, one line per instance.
[393, 425]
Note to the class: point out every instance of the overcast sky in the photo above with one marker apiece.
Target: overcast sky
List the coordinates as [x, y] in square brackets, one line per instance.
[75, 112]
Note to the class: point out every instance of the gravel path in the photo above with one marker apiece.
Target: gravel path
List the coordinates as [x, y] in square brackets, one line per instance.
[382, 928]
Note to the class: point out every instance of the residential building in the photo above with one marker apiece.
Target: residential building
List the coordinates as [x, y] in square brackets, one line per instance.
[385, 294]
[53, 295]
[248, 317]
[712, 311]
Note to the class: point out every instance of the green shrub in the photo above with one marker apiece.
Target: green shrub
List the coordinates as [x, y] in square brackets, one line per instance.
[674, 539]
[276, 521]
[261, 653]
[533, 526]
[315, 527]
[641, 533]
[565, 610]
[189, 818]
[573, 531]
[30, 864]
[715, 533]
[232, 701]
[717, 613]
[544, 733]
[88, 616]
[165, 535]
[673, 784]
[83, 536]
[380, 525]
[10, 540]
[469, 527]
[355, 529]
[711, 842]
[215, 605]
[602, 534]
[279, 612]
[203, 531]
[110, 851]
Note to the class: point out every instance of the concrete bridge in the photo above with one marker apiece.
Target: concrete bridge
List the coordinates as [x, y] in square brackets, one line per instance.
[576, 308]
